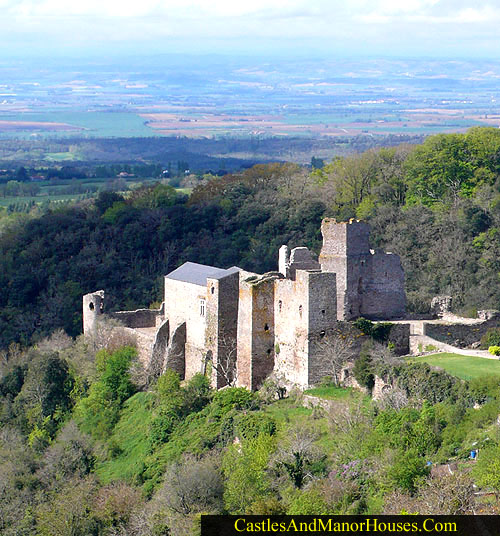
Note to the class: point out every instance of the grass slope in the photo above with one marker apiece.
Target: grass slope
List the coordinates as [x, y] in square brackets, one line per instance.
[462, 366]
[330, 392]
[129, 440]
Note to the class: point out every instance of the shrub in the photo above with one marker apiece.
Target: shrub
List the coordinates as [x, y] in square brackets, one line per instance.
[233, 398]
[363, 369]
[379, 332]
[494, 350]
[491, 338]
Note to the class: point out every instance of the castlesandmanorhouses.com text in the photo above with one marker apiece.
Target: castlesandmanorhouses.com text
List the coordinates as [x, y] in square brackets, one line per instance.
[428, 525]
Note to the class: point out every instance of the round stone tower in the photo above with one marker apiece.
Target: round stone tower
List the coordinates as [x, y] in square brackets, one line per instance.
[93, 307]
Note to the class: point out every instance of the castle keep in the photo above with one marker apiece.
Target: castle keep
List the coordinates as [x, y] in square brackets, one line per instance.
[240, 326]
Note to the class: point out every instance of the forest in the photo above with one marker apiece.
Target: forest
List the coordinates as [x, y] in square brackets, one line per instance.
[86, 442]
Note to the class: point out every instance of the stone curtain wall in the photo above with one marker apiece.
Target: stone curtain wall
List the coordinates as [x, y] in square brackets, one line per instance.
[141, 318]
[461, 335]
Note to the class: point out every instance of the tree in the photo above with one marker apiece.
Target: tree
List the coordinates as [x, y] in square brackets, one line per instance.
[351, 177]
[22, 175]
[440, 170]
[334, 352]
[299, 458]
[100, 410]
[244, 466]
[226, 362]
[193, 485]
[69, 512]
[363, 369]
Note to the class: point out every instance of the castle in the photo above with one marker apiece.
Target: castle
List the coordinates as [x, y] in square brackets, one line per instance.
[240, 327]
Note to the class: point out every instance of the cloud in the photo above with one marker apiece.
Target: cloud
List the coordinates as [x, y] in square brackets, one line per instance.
[373, 26]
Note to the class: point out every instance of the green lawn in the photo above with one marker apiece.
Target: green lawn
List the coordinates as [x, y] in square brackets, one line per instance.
[463, 366]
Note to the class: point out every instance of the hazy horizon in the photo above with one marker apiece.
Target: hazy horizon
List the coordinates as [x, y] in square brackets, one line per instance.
[442, 29]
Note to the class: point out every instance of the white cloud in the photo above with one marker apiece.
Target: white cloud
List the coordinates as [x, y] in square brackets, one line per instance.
[332, 24]
[144, 8]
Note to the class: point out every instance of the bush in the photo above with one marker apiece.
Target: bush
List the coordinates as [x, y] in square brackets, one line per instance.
[233, 398]
[494, 350]
[378, 332]
[363, 369]
[491, 338]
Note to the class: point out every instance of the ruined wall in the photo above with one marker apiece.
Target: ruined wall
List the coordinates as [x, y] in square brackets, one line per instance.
[303, 309]
[383, 295]
[176, 353]
[140, 318]
[399, 336]
[222, 327]
[461, 335]
[158, 360]
[144, 342]
[255, 329]
[368, 284]
[183, 305]
[322, 316]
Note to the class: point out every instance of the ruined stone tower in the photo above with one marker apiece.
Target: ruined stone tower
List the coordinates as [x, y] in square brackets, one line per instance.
[93, 307]
[369, 283]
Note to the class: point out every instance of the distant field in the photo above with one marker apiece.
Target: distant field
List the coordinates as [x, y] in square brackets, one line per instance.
[87, 124]
[39, 199]
[462, 366]
[201, 121]
[51, 192]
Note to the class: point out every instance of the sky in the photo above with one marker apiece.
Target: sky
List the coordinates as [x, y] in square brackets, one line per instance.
[392, 28]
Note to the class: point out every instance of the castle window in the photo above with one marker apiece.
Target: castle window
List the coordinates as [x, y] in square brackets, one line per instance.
[212, 290]
[300, 311]
[362, 263]
[323, 312]
[269, 351]
[322, 334]
[202, 307]
[280, 305]
[266, 327]
[91, 306]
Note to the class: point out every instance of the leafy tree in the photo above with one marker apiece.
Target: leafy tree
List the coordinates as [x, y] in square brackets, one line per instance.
[244, 466]
[100, 410]
[193, 485]
[70, 511]
[440, 169]
[408, 467]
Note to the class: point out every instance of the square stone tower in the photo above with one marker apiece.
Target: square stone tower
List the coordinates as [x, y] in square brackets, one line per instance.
[369, 284]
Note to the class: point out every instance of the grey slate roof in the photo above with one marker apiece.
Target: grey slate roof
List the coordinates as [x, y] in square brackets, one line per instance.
[197, 274]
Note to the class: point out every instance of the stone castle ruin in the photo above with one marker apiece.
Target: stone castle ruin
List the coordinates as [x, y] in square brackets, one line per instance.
[240, 327]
